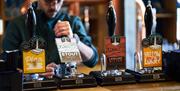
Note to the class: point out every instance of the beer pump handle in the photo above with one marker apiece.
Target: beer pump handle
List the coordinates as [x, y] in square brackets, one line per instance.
[35, 41]
[31, 21]
[111, 19]
[148, 17]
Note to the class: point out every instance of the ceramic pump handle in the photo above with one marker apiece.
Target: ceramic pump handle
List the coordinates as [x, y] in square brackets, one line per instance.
[148, 19]
[111, 19]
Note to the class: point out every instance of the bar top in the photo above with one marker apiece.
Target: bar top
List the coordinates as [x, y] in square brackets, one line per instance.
[157, 86]
[154, 86]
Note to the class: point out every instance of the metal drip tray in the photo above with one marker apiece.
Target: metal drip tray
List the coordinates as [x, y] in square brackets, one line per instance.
[80, 80]
[123, 78]
[152, 77]
[45, 84]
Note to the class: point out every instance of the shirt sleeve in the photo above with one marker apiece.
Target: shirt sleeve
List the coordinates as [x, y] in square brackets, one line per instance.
[78, 28]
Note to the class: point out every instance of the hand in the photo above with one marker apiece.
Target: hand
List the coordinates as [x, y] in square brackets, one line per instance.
[63, 28]
[49, 70]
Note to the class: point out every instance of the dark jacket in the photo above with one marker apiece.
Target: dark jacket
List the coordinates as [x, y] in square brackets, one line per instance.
[17, 32]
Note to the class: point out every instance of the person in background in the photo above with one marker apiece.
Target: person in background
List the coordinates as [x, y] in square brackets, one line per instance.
[48, 14]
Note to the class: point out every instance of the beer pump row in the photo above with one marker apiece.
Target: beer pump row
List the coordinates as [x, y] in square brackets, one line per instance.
[149, 63]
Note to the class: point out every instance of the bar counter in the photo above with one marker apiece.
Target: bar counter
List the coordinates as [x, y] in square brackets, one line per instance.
[154, 86]
[157, 86]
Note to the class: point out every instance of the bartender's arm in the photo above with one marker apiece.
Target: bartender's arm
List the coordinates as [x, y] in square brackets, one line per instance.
[88, 51]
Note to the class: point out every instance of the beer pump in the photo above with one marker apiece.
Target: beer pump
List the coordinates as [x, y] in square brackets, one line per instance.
[67, 73]
[113, 60]
[149, 63]
[34, 58]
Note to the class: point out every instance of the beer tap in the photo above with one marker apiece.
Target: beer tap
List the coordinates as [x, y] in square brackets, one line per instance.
[111, 22]
[35, 42]
[103, 64]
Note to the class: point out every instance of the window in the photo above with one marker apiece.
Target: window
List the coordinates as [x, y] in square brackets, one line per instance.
[178, 24]
[1, 26]
[178, 21]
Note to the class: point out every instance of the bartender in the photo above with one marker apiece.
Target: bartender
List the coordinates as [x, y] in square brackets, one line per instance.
[48, 15]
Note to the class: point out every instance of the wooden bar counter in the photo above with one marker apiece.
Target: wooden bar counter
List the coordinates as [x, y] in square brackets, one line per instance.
[154, 86]
[157, 86]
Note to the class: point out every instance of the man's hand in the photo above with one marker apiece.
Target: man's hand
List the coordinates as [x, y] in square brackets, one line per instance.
[63, 28]
[49, 70]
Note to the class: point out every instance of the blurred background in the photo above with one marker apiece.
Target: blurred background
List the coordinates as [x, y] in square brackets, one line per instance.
[130, 20]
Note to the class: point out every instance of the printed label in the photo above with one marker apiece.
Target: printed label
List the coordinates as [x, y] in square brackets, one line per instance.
[152, 57]
[68, 51]
[115, 53]
[33, 62]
